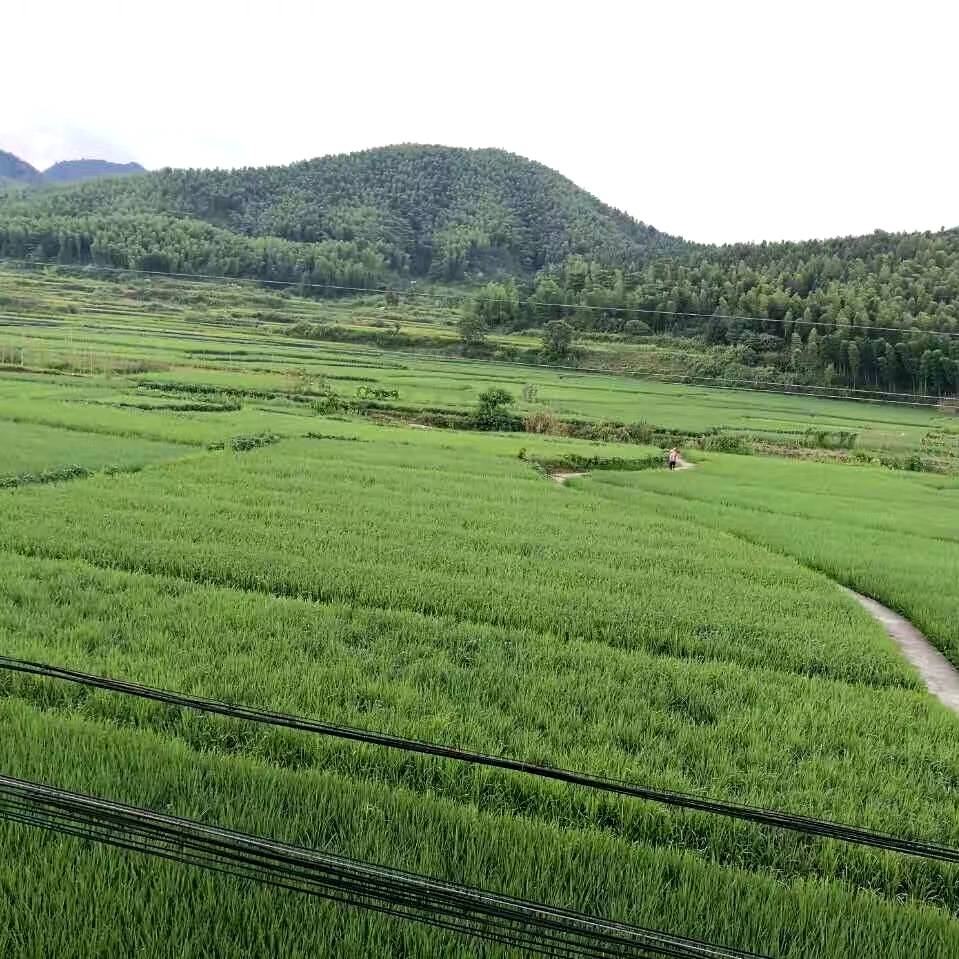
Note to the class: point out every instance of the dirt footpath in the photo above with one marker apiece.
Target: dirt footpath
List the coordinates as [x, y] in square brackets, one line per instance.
[562, 477]
[937, 672]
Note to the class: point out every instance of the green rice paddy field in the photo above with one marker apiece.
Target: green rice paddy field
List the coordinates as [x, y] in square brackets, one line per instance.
[683, 631]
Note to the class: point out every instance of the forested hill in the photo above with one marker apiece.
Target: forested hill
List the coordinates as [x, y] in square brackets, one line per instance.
[446, 213]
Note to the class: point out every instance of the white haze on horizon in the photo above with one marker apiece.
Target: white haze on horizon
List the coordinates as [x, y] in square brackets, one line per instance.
[717, 122]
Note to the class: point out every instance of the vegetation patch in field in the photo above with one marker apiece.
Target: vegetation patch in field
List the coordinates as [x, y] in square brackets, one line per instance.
[45, 476]
[333, 436]
[226, 407]
[240, 444]
[579, 463]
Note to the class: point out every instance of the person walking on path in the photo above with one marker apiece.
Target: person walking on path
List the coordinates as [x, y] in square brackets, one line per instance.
[673, 458]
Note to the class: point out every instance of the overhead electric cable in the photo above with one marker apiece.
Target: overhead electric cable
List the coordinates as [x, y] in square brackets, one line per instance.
[764, 817]
[459, 299]
[532, 926]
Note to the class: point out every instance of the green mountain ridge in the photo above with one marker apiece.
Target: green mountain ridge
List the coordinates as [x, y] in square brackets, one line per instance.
[442, 212]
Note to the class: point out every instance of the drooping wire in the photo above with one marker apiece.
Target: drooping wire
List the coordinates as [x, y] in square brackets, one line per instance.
[459, 299]
[518, 923]
[764, 817]
[890, 397]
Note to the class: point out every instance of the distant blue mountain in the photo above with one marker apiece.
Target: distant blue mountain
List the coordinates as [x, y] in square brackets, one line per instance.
[18, 172]
[70, 171]
[15, 170]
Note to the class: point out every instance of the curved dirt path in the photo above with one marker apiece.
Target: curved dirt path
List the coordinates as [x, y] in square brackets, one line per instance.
[937, 672]
[939, 675]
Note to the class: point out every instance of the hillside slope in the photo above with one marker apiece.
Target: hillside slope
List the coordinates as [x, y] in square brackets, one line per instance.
[442, 212]
[13, 170]
[879, 312]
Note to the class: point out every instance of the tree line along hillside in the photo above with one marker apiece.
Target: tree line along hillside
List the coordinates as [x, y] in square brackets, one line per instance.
[444, 213]
[864, 312]
[875, 312]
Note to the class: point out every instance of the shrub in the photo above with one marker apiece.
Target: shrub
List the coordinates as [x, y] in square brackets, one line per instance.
[637, 328]
[47, 476]
[240, 444]
[726, 443]
[492, 411]
[544, 421]
[557, 340]
[641, 432]
[472, 329]
[376, 393]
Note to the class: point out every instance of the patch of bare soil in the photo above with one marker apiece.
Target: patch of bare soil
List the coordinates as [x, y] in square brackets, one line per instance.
[562, 477]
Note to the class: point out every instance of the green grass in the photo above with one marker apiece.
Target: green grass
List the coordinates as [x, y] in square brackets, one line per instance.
[174, 328]
[683, 631]
[890, 535]
[31, 448]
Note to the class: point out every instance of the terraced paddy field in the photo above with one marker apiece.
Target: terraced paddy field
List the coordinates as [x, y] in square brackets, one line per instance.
[220, 338]
[681, 631]
[30, 449]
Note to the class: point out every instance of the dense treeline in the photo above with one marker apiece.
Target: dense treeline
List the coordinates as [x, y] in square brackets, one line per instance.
[858, 312]
[169, 245]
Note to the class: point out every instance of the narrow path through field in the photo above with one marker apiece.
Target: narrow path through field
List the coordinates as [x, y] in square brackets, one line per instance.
[937, 672]
[561, 476]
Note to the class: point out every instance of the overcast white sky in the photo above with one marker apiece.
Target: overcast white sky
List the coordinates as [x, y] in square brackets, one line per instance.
[718, 121]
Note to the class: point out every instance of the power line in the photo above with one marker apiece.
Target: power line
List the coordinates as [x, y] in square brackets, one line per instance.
[676, 379]
[459, 299]
[764, 817]
[519, 923]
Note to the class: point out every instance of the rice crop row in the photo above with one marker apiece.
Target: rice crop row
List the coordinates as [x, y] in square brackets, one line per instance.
[171, 911]
[720, 730]
[481, 540]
